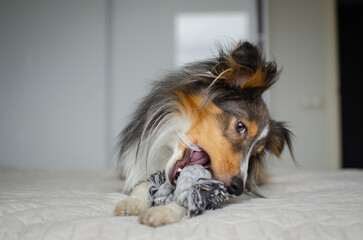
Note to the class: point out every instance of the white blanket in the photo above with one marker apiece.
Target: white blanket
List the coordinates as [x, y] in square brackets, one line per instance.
[79, 205]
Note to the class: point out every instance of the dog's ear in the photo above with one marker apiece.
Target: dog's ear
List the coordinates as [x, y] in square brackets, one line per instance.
[279, 136]
[248, 70]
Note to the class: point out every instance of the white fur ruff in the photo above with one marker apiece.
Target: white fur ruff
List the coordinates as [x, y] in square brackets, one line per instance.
[155, 150]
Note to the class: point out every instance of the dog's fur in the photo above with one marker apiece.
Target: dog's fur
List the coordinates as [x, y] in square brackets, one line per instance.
[214, 107]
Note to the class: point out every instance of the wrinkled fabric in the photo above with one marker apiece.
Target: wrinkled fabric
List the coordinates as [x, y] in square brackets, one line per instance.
[79, 205]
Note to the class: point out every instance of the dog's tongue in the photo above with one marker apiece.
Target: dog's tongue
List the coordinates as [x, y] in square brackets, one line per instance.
[198, 158]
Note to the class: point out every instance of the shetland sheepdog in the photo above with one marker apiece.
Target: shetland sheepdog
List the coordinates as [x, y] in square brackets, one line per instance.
[209, 113]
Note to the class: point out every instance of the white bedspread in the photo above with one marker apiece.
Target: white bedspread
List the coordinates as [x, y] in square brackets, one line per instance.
[79, 205]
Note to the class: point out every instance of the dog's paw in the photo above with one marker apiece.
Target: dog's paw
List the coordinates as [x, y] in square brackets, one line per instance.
[131, 207]
[159, 216]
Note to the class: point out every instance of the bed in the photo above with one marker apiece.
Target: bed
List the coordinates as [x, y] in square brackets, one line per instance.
[79, 205]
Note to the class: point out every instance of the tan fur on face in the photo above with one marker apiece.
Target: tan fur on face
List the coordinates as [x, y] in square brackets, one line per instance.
[206, 132]
[252, 127]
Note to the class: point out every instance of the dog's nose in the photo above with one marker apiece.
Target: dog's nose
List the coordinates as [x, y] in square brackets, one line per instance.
[236, 186]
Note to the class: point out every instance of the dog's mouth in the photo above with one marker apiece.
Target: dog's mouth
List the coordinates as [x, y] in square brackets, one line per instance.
[191, 157]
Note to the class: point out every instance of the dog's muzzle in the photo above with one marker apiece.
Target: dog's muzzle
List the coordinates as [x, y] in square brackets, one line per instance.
[236, 187]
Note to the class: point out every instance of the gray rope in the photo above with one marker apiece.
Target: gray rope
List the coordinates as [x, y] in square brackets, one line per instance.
[160, 190]
[195, 190]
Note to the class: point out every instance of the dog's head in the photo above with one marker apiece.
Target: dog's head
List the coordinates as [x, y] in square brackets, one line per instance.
[230, 126]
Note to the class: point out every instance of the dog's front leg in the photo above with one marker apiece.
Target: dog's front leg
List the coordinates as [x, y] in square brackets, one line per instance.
[163, 215]
[136, 203]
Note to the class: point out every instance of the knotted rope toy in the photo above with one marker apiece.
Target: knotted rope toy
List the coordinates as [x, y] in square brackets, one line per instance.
[195, 190]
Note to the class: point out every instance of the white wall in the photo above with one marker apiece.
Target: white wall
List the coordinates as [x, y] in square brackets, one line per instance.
[70, 76]
[52, 84]
[302, 41]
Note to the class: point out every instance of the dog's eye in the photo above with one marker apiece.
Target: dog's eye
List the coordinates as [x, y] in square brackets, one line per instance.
[240, 127]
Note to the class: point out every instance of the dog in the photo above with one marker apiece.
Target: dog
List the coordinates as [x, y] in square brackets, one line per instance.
[209, 112]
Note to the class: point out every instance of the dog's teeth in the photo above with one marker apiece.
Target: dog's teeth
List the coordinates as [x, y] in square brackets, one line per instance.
[178, 170]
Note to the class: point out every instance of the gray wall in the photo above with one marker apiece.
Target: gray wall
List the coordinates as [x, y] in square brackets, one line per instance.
[52, 84]
[303, 42]
[71, 73]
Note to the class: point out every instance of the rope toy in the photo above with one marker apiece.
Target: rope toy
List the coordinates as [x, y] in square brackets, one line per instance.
[195, 190]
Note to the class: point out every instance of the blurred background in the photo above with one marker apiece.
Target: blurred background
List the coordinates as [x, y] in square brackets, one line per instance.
[72, 71]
